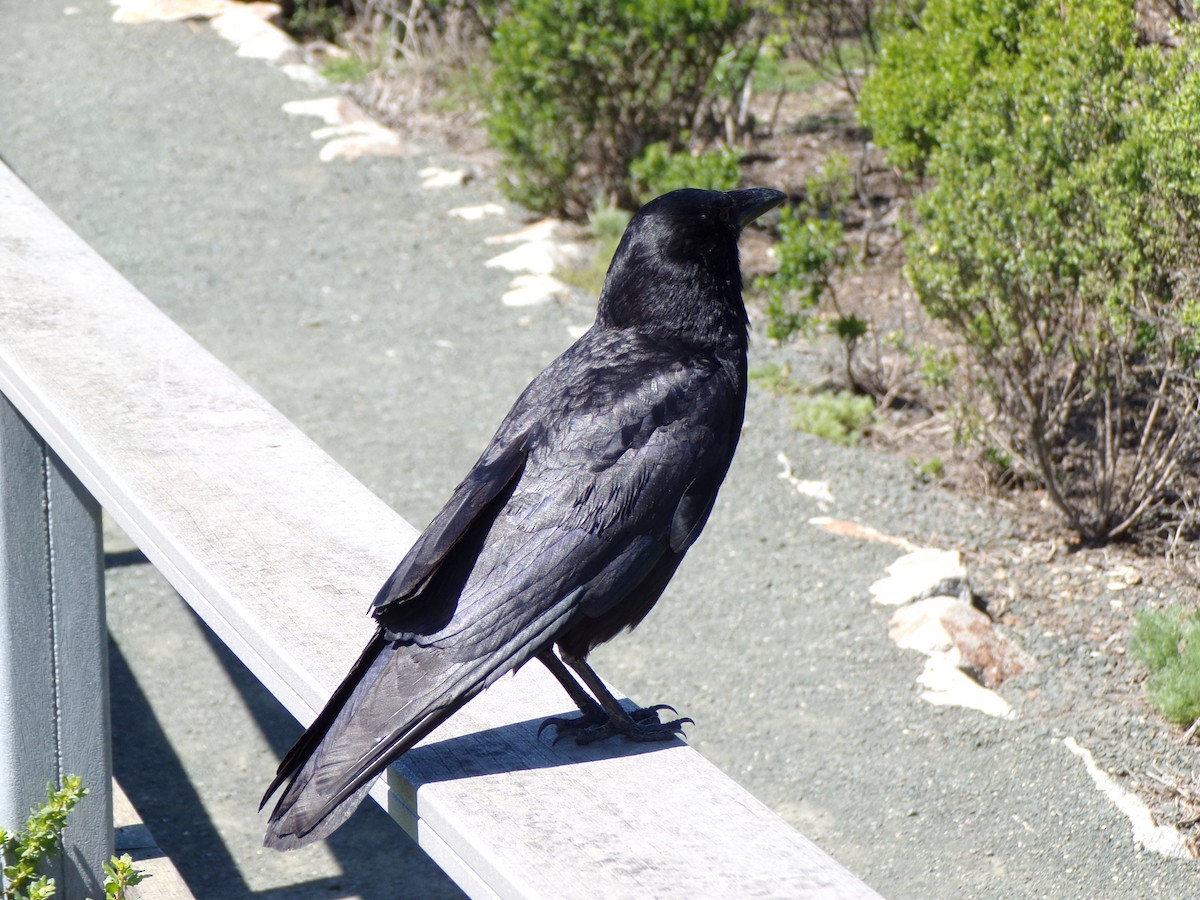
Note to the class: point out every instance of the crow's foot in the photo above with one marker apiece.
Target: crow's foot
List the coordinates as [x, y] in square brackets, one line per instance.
[642, 725]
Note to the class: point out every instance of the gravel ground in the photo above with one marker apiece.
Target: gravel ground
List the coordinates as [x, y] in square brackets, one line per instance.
[350, 299]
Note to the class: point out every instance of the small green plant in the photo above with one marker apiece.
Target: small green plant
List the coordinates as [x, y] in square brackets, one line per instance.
[808, 254]
[348, 69]
[932, 470]
[22, 852]
[1167, 641]
[839, 416]
[120, 874]
[658, 170]
[775, 377]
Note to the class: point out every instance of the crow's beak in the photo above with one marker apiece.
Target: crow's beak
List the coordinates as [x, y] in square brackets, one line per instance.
[751, 203]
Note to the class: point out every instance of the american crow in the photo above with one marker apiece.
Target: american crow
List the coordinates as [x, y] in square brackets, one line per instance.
[569, 526]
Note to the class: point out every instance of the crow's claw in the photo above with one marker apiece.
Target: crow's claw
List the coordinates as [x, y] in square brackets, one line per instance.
[565, 725]
[641, 725]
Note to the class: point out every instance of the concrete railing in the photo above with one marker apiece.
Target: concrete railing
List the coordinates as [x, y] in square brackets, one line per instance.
[107, 403]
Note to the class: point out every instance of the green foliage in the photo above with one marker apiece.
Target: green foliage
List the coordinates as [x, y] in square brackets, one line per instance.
[933, 470]
[41, 837]
[1060, 237]
[926, 72]
[775, 377]
[120, 874]
[22, 852]
[324, 19]
[582, 87]
[840, 417]
[808, 254]
[348, 69]
[809, 251]
[658, 170]
[1167, 641]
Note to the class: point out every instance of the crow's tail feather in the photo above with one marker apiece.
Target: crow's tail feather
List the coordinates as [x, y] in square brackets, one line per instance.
[391, 699]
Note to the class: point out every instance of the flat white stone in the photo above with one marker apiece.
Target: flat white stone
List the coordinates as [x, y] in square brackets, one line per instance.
[245, 26]
[817, 490]
[921, 626]
[140, 12]
[433, 177]
[919, 574]
[534, 290]
[337, 110]
[847, 528]
[349, 132]
[947, 685]
[542, 230]
[475, 213]
[534, 258]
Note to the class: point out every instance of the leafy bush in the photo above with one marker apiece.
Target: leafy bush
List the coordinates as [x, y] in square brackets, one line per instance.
[1061, 238]
[925, 74]
[658, 170]
[583, 87]
[1168, 642]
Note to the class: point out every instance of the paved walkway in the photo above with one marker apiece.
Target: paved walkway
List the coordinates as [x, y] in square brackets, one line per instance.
[350, 298]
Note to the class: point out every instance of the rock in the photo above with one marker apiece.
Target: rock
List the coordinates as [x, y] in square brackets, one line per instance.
[967, 638]
[534, 290]
[926, 572]
[475, 213]
[349, 131]
[947, 685]
[433, 177]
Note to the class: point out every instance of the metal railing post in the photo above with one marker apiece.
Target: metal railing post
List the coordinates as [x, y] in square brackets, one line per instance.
[54, 717]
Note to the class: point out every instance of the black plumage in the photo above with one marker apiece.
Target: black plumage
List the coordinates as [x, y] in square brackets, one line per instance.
[569, 526]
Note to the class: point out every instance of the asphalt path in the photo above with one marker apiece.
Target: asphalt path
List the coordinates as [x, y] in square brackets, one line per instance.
[349, 297]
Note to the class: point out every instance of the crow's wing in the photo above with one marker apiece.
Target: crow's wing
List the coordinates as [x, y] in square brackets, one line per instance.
[488, 479]
[622, 445]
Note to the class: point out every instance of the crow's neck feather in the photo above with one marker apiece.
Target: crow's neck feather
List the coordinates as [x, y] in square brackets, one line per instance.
[698, 301]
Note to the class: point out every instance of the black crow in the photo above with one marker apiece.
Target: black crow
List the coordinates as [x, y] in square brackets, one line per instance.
[569, 526]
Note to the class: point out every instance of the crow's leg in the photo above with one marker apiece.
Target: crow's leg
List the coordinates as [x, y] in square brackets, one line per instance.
[593, 714]
[604, 716]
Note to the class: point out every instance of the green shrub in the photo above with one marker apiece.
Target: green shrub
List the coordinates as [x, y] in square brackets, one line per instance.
[840, 417]
[1060, 238]
[1168, 642]
[927, 72]
[323, 19]
[583, 87]
[21, 852]
[658, 170]
[807, 251]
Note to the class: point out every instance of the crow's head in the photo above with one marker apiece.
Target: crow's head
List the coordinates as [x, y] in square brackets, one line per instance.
[676, 269]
